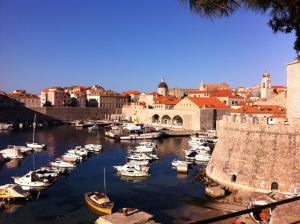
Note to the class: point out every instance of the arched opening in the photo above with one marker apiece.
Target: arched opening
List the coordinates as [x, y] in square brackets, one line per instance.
[274, 186]
[166, 119]
[233, 178]
[155, 118]
[177, 120]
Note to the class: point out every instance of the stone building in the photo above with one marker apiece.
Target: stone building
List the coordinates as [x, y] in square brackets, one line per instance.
[187, 114]
[26, 99]
[106, 99]
[254, 155]
[180, 92]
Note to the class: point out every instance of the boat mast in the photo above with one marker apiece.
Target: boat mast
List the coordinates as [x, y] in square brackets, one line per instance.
[33, 127]
[104, 183]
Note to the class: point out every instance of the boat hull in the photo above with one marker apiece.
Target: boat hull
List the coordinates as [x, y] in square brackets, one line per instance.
[97, 207]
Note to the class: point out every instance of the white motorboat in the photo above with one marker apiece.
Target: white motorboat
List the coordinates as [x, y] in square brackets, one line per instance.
[152, 135]
[79, 151]
[177, 162]
[34, 144]
[139, 157]
[46, 173]
[132, 165]
[141, 162]
[31, 182]
[71, 157]
[134, 173]
[12, 153]
[5, 126]
[93, 147]
[62, 164]
[202, 157]
[23, 149]
[191, 156]
[148, 144]
[144, 149]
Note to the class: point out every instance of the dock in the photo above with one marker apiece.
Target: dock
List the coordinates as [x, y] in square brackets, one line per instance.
[131, 217]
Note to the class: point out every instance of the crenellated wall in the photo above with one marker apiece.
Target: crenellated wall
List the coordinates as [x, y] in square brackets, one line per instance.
[251, 154]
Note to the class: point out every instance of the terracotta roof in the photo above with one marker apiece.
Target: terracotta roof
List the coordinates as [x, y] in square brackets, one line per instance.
[22, 95]
[209, 102]
[260, 109]
[278, 87]
[133, 92]
[168, 100]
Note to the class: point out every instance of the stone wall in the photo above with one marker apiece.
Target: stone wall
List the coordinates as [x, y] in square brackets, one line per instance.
[251, 155]
[293, 90]
[14, 114]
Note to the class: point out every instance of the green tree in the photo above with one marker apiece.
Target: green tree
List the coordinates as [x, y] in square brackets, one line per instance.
[285, 14]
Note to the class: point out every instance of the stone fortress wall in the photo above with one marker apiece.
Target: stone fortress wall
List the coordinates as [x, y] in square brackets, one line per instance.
[253, 155]
[256, 156]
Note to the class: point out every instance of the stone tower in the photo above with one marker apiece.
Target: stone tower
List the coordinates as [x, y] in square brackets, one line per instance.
[162, 88]
[265, 86]
[293, 90]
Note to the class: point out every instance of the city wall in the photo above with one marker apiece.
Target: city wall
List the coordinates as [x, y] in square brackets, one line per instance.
[255, 156]
[18, 114]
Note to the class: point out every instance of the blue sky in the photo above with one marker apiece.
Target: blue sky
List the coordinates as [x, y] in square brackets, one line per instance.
[131, 44]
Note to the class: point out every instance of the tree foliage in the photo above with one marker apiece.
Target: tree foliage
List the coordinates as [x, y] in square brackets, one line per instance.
[285, 14]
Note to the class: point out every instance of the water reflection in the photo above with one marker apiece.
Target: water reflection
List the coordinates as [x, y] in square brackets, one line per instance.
[14, 163]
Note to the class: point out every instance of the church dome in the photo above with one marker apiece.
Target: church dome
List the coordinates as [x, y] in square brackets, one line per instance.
[162, 84]
[266, 74]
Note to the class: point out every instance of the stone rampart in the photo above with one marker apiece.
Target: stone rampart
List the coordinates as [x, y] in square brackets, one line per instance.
[18, 114]
[253, 155]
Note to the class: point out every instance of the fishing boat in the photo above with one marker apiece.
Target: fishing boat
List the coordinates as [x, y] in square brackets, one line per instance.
[71, 158]
[144, 149]
[99, 201]
[79, 151]
[34, 144]
[12, 192]
[30, 181]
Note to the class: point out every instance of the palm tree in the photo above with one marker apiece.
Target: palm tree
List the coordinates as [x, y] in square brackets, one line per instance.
[285, 14]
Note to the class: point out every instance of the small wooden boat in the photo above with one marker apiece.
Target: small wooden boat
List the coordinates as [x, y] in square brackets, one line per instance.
[99, 201]
[12, 192]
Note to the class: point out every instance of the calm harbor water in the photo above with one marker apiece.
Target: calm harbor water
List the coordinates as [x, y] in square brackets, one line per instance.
[163, 194]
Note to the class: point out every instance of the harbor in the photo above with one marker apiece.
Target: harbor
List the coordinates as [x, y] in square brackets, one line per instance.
[63, 200]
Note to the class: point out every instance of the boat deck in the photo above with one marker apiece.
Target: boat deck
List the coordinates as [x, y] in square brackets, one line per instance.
[133, 217]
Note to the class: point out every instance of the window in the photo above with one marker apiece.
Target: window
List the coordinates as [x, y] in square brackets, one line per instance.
[274, 186]
[233, 178]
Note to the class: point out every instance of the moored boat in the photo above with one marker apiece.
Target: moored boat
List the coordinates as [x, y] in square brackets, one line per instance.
[31, 182]
[13, 192]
